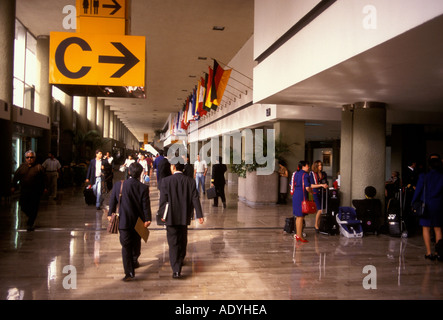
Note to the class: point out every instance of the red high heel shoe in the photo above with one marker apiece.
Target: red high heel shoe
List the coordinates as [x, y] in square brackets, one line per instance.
[296, 237]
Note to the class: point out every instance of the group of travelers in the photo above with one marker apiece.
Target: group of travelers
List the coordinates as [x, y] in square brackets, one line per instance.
[426, 187]
[180, 184]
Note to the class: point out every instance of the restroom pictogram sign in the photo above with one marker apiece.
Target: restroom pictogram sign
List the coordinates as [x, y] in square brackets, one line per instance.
[101, 8]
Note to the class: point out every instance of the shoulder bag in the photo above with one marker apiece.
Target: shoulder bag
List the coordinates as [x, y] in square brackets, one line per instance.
[115, 219]
[419, 207]
[307, 206]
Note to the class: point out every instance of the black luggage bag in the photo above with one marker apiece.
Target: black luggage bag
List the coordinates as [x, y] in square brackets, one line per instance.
[289, 225]
[328, 223]
[370, 213]
[90, 197]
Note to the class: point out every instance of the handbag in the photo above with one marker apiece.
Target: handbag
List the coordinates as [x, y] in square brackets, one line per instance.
[419, 207]
[115, 219]
[307, 206]
[211, 193]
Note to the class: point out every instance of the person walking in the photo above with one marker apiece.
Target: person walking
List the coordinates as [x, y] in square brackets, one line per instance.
[52, 169]
[219, 182]
[179, 196]
[299, 179]
[430, 190]
[32, 186]
[94, 177]
[200, 169]
[134, 204]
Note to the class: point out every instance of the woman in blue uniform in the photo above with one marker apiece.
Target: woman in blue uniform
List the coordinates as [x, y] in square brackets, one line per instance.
[319, 182]
[298, 195]
[430, 190]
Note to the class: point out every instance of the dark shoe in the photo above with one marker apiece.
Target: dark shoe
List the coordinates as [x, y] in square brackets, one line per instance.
[128, 277]
[176, 275]
[430, 257]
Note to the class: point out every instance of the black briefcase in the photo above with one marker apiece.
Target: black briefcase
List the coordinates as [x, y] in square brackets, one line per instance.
[211, 193]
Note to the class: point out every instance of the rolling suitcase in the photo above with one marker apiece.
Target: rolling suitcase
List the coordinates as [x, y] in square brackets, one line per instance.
[289, 225]
[328, 224]
[90, 198]
[369, 212]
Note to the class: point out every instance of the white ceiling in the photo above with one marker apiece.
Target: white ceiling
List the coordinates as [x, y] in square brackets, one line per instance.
[177, 33]
[405, 72]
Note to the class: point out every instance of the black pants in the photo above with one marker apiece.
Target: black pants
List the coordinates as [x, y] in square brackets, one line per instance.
[220, 193]
[29, 203]
[131, 246]
[177, 241]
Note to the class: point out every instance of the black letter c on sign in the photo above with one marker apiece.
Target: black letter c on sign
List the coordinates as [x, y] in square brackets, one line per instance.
[60, 57]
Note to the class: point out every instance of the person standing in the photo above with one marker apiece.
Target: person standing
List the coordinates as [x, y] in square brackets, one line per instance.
[108, 171]
[319, 186]
[430, 190]
[299, 179]
[218, 181]
[52, 169]
[32, 186]
[180, 193]
[94, 177]
[200, 169]
[134, 204]
[163, 170]
[283, 182]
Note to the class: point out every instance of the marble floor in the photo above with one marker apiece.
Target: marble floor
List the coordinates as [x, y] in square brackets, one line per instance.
[239, 253]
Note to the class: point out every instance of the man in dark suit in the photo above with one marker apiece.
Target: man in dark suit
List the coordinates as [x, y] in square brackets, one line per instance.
[218, 180]
[180, 193]
[163, 170]
[134, 204]
[94, 177]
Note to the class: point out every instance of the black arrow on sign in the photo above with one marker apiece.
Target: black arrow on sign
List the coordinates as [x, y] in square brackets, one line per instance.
[128, 60]
[116, 6]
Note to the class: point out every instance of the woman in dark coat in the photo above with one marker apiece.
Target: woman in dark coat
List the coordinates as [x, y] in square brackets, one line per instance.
[430, 190]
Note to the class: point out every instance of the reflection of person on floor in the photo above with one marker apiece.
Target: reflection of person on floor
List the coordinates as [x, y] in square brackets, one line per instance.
[32, 185]
[180, 193]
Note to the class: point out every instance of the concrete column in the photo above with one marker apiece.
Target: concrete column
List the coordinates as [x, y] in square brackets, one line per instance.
[82, 125]
[291, 133]
[66, 130]
[100, 116]
[7, 31]
[43, 87]
[111, 124]
[363, 150]
[106, 121]
[92, 113]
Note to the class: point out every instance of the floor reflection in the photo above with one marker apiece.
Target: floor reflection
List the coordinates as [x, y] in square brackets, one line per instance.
[239, 253]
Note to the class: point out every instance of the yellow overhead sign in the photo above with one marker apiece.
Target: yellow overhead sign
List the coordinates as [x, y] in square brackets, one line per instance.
[97, 59]
[101, 8]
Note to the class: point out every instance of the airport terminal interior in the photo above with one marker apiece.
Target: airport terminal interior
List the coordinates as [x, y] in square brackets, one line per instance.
[239, 253]
[355, 84]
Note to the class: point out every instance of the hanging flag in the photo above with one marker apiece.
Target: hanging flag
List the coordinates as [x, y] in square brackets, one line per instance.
[202, 97]
[209, 89]
[218, 81]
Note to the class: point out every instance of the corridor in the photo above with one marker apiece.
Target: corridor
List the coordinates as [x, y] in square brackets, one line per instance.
[239, 253]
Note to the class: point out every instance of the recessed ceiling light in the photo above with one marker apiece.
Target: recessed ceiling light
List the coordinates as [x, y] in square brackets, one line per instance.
[218, 28]
[202, 58]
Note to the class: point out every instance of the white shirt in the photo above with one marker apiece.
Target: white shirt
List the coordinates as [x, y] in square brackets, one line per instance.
[200, 166]
[51, 165]
[98, 168]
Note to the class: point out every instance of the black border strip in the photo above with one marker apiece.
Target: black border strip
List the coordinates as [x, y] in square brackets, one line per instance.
[296, 28]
